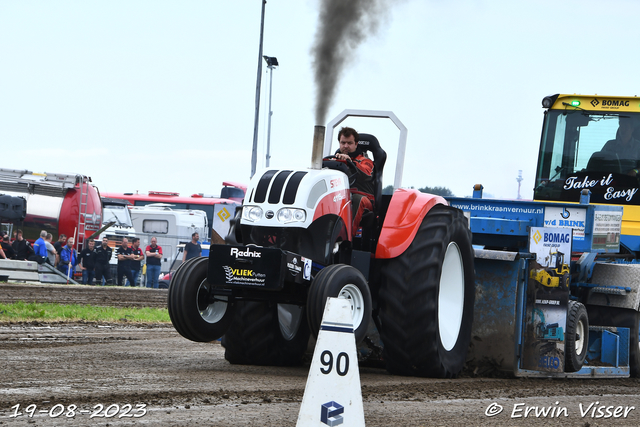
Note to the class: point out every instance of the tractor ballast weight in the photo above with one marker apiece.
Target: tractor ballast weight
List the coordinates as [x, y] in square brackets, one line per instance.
[408, 267]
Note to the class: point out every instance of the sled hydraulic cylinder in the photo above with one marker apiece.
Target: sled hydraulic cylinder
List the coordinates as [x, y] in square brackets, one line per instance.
[318, 143]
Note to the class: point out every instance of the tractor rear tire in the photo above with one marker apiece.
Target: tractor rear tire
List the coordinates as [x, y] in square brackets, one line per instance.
[266, 334]
[426, 299]
[191, 314]
[577, 337]
[340, 281]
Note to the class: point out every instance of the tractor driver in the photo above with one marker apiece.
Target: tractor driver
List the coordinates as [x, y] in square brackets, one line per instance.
[362, 189]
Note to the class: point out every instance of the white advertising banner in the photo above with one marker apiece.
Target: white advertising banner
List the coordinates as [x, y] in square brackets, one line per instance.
[574, 218]
[550, 242]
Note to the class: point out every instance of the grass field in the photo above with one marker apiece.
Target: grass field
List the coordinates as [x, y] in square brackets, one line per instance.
[21, 312]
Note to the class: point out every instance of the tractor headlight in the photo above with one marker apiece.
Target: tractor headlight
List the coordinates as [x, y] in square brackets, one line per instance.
[287, 215]
[252, 213]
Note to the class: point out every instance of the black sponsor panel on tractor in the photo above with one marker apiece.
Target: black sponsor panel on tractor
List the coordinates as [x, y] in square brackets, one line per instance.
[247, 267]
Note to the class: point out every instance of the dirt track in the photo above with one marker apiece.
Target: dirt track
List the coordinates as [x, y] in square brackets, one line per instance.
[185, 383]
[113, 296]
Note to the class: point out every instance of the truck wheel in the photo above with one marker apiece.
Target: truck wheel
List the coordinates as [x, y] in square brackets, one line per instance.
[426, 299]
[340, 281]
[577, 337]
[266, 334]
[192, 311]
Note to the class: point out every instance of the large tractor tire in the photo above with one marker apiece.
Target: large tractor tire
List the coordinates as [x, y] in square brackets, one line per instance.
[340, 281]
[192, 311]
[266, 334]
[426, 299]
[625, 318]
[577, 337]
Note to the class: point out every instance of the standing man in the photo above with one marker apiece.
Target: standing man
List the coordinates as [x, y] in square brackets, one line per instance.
[124, 265]
[68, 259]
[88, 263]
[40, 248]
[193, 248]
[62, 239]
[103, 256]
[135, 261]
[7, 248]
[21, 247]
[154, 260]
[52, 254]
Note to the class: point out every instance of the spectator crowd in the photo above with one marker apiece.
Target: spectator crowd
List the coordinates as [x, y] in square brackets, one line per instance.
[93, 260]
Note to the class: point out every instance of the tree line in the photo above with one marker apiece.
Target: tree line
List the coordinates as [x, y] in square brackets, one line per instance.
[438, 191]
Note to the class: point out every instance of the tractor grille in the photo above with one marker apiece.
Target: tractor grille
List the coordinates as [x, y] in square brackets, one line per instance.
[277, 180]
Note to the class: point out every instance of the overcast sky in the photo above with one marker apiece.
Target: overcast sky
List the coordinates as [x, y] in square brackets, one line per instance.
[160, 95]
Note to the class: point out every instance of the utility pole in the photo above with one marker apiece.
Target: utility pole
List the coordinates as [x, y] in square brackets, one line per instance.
[272, 62]
[254, 152]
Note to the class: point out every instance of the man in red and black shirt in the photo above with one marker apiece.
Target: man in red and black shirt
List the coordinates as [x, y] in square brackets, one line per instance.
[362, 190]
[154, 260]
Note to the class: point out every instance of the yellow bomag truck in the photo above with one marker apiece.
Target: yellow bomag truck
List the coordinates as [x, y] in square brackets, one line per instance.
[586, 206]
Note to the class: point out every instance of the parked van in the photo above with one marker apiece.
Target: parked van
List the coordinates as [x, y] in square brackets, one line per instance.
[170, 227]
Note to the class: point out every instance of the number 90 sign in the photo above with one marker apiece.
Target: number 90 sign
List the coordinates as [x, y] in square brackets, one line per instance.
[342, 363]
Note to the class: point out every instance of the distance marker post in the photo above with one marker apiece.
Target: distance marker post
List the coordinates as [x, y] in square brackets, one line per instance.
[333, 395]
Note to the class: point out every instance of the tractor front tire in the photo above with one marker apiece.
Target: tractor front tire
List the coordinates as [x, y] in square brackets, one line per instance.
[340, 281]
[426, 299]
[577, 336]
[191, 311]
[266, 334]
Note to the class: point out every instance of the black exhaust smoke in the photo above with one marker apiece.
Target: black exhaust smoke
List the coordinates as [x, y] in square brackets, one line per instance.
[344, 24]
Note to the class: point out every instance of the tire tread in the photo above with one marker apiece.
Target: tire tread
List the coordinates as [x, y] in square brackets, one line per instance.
[409, 299]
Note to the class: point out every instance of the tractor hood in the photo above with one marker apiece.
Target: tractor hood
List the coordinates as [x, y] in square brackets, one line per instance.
[288, 198]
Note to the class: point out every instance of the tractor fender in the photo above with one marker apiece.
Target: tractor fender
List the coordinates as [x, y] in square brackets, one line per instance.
[407, 209]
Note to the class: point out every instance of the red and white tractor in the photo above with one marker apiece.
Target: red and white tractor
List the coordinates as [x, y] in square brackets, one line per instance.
[409, 269]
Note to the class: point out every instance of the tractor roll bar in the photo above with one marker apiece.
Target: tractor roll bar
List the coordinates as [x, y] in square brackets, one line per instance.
[372, 114]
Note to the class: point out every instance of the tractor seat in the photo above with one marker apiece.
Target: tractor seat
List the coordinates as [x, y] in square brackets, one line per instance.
[370, 143]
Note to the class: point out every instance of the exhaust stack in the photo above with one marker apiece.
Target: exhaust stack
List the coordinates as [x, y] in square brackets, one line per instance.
[318, 145]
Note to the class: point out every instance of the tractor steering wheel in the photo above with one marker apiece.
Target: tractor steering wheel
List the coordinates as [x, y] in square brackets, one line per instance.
[352, 171]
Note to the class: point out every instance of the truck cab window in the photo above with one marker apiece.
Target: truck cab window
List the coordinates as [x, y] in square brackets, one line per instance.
[580, 149]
